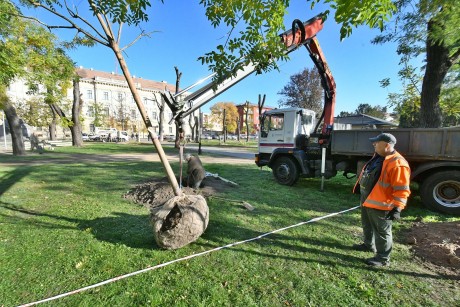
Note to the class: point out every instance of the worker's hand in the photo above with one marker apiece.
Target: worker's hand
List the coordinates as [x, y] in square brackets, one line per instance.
[394, 214]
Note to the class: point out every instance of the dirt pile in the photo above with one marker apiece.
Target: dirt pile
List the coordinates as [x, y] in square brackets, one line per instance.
[438, 244]
[157, 191]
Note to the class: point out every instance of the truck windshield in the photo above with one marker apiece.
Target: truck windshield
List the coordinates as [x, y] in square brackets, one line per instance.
[307, 122]
[272, 122]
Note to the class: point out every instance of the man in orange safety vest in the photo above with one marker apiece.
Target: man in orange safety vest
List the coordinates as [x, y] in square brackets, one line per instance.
[384, 188]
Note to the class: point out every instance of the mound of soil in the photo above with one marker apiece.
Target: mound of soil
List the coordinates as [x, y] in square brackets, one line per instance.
[438, 245]
[157, 191]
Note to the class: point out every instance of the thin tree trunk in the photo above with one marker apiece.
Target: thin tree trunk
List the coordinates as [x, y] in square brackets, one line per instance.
[179, 131]
[52, 125]
[137, 98]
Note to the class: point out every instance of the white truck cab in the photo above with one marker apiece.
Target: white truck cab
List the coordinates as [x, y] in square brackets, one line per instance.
[280, 128]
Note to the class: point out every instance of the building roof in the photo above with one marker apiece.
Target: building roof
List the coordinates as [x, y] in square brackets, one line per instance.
[144, 83]
[363, 120]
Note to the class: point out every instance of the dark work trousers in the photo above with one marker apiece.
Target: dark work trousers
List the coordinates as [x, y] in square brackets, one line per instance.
[377, 231]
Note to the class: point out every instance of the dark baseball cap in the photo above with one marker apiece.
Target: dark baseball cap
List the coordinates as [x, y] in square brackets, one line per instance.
[386, 137]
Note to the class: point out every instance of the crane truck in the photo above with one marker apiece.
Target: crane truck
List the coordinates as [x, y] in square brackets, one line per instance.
[292, 143]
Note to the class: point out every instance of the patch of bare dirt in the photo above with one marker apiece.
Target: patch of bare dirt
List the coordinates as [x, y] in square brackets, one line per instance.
[438, 245]
[157, 191]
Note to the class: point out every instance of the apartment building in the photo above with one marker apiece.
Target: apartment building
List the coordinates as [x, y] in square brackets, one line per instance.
[108, 102]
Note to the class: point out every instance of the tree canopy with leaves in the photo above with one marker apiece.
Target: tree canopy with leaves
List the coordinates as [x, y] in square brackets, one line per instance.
[30, 52]
[367, 109]
[231, 114]
[428, 29]
[304, 90]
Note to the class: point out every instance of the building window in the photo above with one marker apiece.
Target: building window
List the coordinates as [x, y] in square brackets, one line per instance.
[89, 94]
[106, 111]
[154, 115]
[120, 96]
[106, 95]
[170, 129]
[133, 114]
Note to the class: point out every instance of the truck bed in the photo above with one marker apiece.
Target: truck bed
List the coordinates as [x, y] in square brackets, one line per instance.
[413, 143]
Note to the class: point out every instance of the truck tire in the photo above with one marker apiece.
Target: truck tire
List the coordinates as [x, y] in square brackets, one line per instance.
[285, 171]
[441, 192]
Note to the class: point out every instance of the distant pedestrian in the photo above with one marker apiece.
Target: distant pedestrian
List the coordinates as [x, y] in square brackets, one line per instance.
[137, 137]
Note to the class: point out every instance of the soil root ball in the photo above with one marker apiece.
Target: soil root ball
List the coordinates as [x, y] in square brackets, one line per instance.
[180, 221]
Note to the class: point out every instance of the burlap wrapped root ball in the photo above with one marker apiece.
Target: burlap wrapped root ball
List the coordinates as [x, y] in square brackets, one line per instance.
[180, 221]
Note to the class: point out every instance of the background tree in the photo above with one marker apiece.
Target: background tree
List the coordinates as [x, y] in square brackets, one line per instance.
[367, 109]
[406, 105]
[303, 90]
[246, 111]
[375, 111]
[25, 44]
[450, 98]
[33, 111]
[231, 112]
[429, 29]
[161, 105]
[122, 114]
[345, 113]
[52, 77]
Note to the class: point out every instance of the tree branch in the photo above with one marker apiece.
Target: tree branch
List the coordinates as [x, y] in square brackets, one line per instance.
[77, 16]
[136, 39]
[73, 25]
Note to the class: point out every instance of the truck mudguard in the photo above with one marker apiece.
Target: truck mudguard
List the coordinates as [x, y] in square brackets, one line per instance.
[299, 155]
[426, 166]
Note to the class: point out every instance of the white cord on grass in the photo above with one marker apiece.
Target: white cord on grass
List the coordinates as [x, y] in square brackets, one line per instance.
[182, 259]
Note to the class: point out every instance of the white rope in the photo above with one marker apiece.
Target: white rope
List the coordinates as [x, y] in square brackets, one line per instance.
[182, 259]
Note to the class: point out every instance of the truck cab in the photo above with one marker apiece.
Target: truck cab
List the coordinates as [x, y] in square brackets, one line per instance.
[287, 136]
[281, 128]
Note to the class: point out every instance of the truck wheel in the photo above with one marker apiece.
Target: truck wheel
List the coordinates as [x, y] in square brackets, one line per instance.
[285, 171]
[441, 192]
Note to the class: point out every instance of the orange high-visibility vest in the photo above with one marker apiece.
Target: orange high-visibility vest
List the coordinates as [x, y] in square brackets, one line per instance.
[392, 188]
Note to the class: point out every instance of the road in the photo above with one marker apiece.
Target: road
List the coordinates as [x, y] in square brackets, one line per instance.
[232, 155]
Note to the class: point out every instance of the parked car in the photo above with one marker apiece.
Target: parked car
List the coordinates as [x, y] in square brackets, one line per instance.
[123, 136]
[85, 136]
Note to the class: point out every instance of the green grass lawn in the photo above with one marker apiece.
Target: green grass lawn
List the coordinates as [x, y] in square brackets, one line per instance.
[64, 226]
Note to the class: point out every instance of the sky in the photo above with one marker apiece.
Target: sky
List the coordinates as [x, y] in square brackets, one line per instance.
[180, 33]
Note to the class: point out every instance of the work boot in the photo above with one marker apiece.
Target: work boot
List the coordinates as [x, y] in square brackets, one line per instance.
[363, 248]
[375, 261]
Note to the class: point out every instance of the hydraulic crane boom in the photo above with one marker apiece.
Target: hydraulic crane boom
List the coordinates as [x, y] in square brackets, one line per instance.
[301, 34]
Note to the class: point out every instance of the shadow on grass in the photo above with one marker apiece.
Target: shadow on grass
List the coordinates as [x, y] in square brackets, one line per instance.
[330, 253]
[12, 177]
[131, 230]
